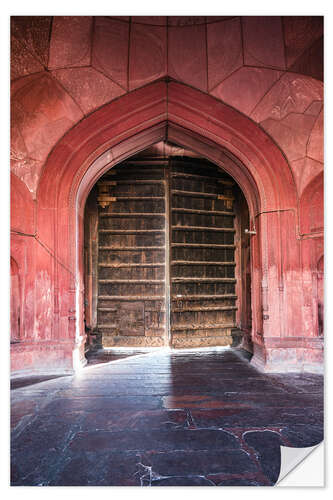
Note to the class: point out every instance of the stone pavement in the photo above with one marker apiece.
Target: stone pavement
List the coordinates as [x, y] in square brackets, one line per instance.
[167, 418]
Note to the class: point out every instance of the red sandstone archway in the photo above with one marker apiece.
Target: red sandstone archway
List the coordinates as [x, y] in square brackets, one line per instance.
[190, 118]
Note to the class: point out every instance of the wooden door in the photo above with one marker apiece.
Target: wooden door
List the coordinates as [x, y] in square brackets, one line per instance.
[166, 254]
[202, 255]
[131, 256]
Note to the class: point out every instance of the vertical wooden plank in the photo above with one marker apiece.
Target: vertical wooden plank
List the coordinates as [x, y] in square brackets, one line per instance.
[168, 223]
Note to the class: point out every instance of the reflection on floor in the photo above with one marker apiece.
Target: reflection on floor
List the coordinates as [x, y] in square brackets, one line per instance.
[200, 418]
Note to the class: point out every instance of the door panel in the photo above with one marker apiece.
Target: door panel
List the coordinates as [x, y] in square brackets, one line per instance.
[202, 255]
[131, 302]
[166, 255]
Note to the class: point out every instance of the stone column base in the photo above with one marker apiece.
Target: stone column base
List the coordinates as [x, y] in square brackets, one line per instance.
[289, 354]
[47, 357]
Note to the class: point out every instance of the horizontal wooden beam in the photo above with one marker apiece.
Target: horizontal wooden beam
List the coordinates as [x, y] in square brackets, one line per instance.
[129, 281]
[123, 198]
[202, 245]
[201, 263]
[113, 309]
[176, 297]
[131, 264]
[132, 214]
[194, 194]
[203, 212]
[202, 228]
[202, 280]
[129, 249]
[131, 231]
[183, 175]
[205, 309]
[129, 298]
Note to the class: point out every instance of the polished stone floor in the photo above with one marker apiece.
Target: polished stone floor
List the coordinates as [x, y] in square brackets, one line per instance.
[163, 418]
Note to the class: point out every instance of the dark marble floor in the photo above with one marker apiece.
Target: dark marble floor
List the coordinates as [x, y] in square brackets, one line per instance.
[163, 419]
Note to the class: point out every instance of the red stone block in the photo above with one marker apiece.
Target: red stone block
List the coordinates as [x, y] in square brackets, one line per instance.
[263, 41]
[187, 58]
[214, 19]
[45, 113]
[311, 62]
[300, 32]
[33, 32]
[88, 87]
[70, 41]
[311, 206]
[155, 20]
[22, 207]
[185, 20]
[291, 133]
[304, 171]
[110, 48]
[245, 88]
[22, 62]
[314, 108]
[121, 18]
[315, 147]
[224, 45]
[291, 94]
[148, 54]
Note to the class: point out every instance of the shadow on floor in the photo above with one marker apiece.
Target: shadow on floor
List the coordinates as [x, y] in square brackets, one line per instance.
[105, 355]
[17, 383]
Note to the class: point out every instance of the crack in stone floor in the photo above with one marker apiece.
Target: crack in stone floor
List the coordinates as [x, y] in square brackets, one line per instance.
[164, 418]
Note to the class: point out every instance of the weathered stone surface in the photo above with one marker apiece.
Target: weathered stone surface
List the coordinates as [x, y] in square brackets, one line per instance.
[41, 113]
[155, 20]
[20, 410]
[300, 436]
[314, 108]
[263, 41]
[292, 133]
[315, 146]
[267, 444]
[22, 62]
[158, 440]
[240, 482]
[70, 41]
[224, 46]
[199, 462]
[246, 87]
[132, 441]
[33, 32]
[185, 20]
[98, 469]
[300, 32]
[291, 94]
[110, 49]
[182, 481]
[148, 53]
[183, 42]
[144, 419]
[304, 171]
[311, 63]
[88, 87]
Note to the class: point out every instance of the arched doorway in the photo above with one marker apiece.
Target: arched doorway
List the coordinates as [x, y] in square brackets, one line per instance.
[166, 254]
[174, 112]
